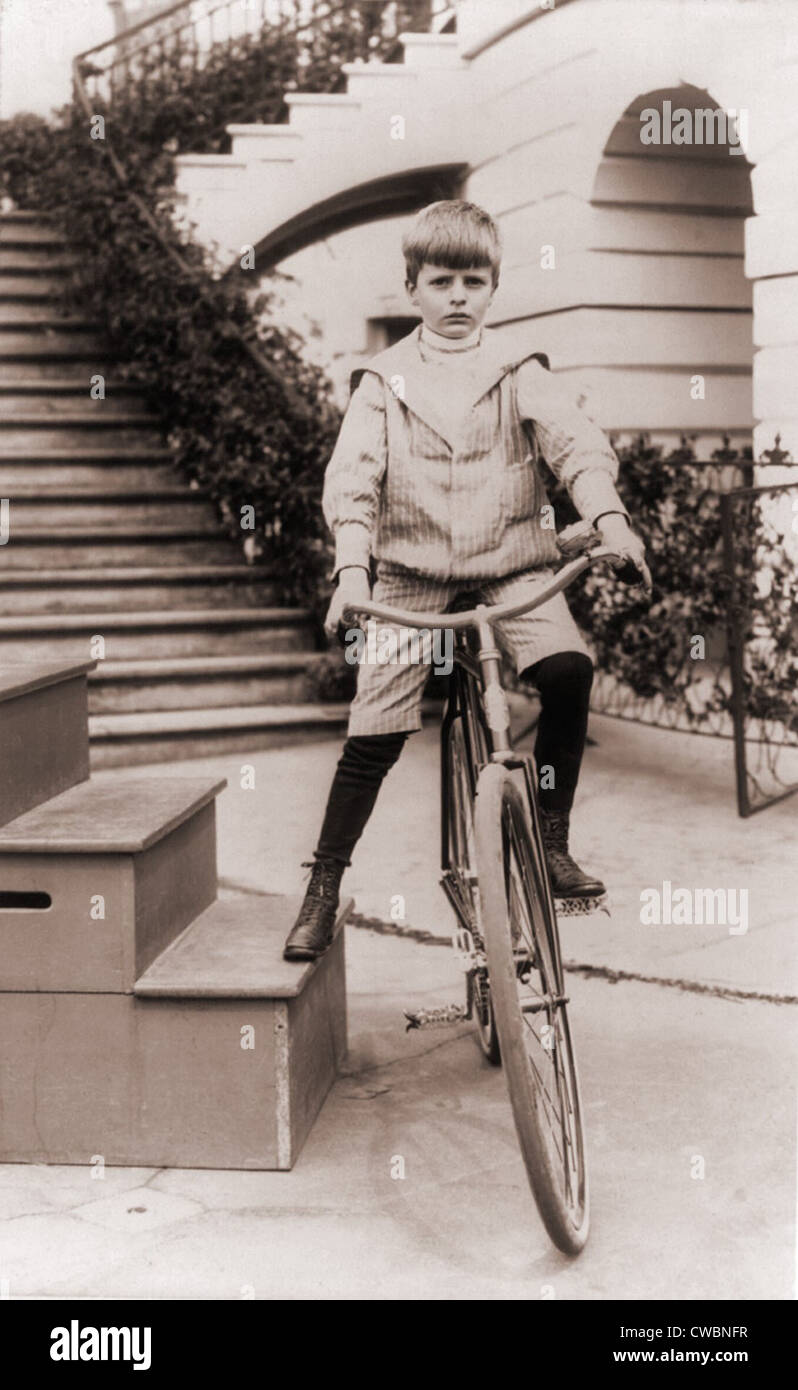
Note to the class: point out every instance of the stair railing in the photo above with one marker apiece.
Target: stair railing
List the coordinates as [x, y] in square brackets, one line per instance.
[187, 34]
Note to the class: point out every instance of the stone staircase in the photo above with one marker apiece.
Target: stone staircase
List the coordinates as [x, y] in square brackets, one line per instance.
[107, 542]
[283, 184]
[143, 1020]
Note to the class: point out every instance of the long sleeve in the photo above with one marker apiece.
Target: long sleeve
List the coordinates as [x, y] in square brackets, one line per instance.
[576, 450]
[352, 481]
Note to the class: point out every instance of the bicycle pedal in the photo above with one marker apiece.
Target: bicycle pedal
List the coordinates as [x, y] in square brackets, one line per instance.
[436, 1018]
[582, 907]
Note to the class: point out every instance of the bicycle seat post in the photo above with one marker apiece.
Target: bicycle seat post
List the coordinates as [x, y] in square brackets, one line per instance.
[496, 711]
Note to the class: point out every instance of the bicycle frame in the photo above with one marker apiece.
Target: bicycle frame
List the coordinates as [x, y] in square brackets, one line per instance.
[466, 702]
[477, 696]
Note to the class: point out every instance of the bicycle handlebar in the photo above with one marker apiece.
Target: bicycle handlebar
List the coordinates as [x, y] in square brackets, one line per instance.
[492, 614]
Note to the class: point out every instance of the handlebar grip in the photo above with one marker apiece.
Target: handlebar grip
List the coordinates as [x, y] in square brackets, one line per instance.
[628, 573]
[577, 538]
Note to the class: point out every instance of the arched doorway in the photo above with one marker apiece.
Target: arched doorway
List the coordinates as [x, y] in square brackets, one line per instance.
[667, 219]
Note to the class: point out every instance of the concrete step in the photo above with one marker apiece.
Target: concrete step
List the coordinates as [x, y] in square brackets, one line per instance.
[98, 880]
[68, 547]
[19, 288]
[365, 81]
[22, 318]
[50, 342]
[121, 740]
[143, 587]
[20, 234]
[162, 1077]
[29, 259]
[50, 507]
[207, 682]
[79, 428]
[98, 467]
[313, 111]
[144, 635]
[44, 743]
[55, 396]
[264, 141]
[431, 51]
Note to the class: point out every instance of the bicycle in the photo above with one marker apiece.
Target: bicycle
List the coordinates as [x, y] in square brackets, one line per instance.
[494, 874]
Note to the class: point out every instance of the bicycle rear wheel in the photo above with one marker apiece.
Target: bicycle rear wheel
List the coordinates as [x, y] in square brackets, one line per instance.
[526, 986]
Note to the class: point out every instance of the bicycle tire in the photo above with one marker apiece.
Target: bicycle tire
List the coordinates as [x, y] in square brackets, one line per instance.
[558, 1179]
[477, 995]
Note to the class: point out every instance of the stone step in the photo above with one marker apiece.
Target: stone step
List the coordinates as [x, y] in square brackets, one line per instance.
[56, 396]
[207, 682]
[44, 741]
[431, 51]
[98, 880]
[264, 142]
[365, 81]
[313, 111]
[29, 259]
[101, 468]
[68, 547]
[122, 740]
[78, 428]
[161, 1077]
[145, 635]
[21, 234]
[29, 343]
[144, 587]
[18, 287]
[50, 507]
[24, 318]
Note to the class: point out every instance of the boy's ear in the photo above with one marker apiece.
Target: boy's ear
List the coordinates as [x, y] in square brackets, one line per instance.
[412, 293]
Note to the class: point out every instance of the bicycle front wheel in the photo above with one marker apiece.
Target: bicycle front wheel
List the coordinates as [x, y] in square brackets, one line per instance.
[526, 987]
[461, 857]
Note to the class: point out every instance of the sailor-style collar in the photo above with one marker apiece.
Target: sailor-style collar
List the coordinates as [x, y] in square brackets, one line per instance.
[403, 370]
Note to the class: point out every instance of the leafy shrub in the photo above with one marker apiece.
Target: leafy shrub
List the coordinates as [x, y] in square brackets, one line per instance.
[674, 504]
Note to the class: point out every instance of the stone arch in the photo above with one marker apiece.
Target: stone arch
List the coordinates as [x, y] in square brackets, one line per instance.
[362, 202]
[668, 202]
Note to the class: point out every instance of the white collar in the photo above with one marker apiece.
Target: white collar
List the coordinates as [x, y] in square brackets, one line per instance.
[444, 344]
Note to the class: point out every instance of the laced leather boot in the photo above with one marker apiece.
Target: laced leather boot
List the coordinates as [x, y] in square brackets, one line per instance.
[567, 879]
[312, 931]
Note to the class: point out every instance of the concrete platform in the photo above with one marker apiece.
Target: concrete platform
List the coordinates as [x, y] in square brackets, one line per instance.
[187, 1072]
[44, 746]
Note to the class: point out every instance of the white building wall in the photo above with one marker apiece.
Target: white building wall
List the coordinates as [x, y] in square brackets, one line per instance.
[669, 266]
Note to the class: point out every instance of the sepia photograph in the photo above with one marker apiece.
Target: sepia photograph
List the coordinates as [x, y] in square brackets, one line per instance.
[399, 664]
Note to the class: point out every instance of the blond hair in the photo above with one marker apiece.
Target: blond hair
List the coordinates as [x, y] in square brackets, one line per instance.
[454, 234]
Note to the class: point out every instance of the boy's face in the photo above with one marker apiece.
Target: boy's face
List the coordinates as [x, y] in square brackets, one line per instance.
[452, 302]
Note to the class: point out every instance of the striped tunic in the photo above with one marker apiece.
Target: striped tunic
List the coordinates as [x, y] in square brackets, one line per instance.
[435, 468]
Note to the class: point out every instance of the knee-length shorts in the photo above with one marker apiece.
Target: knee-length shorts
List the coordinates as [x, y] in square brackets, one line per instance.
[388, 698]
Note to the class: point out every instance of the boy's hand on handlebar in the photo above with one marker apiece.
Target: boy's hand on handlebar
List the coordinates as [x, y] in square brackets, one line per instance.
[354, 586]
[617, 534]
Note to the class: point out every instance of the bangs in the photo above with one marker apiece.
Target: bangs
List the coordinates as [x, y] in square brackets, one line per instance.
[455, 234]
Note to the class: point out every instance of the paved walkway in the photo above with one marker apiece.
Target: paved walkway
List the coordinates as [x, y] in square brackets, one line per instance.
[676, 1083]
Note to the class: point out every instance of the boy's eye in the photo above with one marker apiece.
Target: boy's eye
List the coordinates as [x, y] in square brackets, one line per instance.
[470, 280]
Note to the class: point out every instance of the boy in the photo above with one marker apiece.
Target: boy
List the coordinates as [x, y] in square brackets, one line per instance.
[434, 476]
